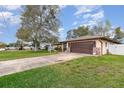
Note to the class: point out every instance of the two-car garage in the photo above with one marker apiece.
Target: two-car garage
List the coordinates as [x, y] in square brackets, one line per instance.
[82, 47]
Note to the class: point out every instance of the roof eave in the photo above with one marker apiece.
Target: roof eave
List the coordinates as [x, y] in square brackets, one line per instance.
[93, 38]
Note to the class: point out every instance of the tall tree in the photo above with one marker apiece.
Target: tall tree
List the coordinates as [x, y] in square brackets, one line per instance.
[119, 35]
[80, 31]
[101, 29]
[39, 24]
[70, 34]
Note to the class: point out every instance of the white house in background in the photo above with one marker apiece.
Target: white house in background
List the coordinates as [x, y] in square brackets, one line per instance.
[48, 45]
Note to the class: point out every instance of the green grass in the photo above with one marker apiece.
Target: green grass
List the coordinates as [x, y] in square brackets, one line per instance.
[103, 71]
[9, 55]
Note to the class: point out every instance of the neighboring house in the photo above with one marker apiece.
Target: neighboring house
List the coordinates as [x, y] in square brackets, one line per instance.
[96, 45]
[2, 46]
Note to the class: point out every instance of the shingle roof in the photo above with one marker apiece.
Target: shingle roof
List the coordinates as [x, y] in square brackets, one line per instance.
[92, 37]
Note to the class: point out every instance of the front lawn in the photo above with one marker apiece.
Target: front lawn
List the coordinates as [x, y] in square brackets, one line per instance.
[104, 71]
[9, 55]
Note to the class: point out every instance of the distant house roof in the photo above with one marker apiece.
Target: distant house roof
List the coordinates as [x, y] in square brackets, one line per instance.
[93, 37]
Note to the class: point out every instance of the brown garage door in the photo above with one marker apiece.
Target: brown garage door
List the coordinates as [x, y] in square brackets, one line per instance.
[82, 47]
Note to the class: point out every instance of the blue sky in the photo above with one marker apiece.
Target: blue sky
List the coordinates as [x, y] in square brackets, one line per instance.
[70, 17]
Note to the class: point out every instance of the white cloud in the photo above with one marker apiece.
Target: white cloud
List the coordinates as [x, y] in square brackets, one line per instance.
[98, 15]
[91, 23]
[85, 16]
[91, 14]
[61, 29]
[92, 19]
[62, 6]
[9, 17]
[1, 32]
[95, 16]
[12, 7]
[75, 23]
[113, 27]
[2, 25]
[5, 15]
[85, 9]
[15, 19]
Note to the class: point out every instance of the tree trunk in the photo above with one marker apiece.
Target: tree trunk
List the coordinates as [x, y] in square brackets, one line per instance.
[36, 46]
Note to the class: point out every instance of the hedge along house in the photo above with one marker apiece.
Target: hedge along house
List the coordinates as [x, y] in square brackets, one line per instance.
[96, 45]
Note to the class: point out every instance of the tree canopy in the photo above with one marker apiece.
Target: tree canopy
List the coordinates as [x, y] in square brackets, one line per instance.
[80, 31]
[101, 29]
[119, 34]
[39, 24]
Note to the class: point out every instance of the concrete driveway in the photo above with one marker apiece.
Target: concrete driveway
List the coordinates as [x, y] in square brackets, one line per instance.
[18, 65]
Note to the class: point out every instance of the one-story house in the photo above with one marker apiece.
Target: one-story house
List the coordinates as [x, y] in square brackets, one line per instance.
[96, 45]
